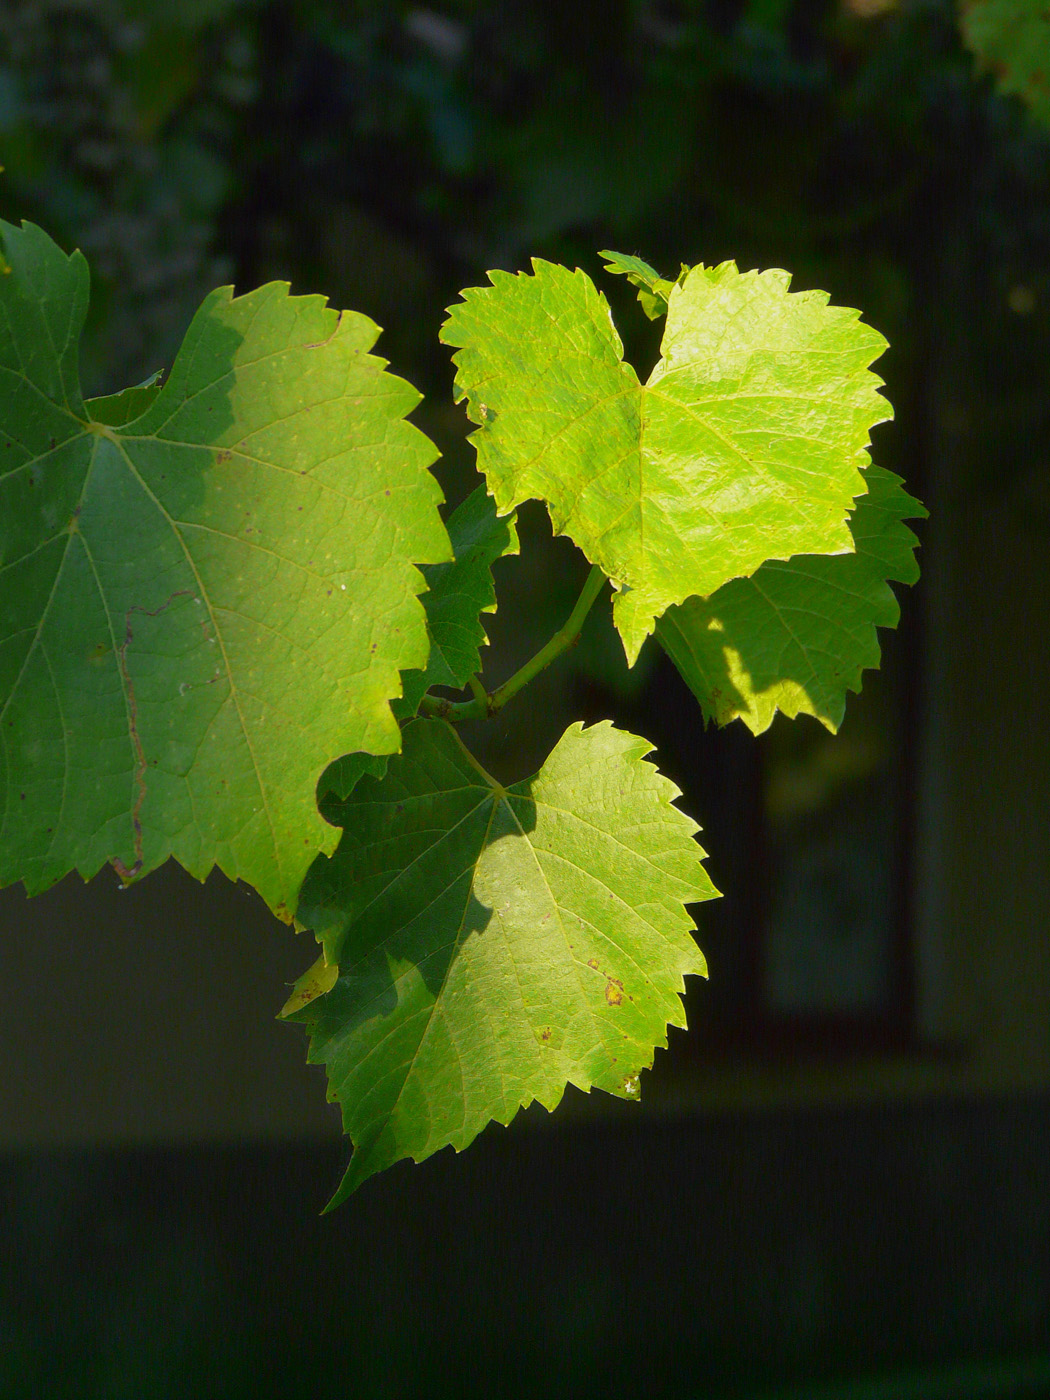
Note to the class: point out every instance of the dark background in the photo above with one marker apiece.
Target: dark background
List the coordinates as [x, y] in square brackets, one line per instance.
[838, 1181]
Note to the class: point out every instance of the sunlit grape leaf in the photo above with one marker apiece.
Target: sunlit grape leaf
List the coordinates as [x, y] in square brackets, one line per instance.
[495, 944]
[744, 445]
[458, 593]
[1012, 39]
[797, 634]
[199, 607]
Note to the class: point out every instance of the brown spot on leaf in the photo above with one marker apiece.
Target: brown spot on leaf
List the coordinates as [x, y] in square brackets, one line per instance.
[613, 991]
[223, 455]
[545, 1034]
[593, 962]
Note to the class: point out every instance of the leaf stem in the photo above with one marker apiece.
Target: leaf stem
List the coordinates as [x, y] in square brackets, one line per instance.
[497, 788]
[485, 706]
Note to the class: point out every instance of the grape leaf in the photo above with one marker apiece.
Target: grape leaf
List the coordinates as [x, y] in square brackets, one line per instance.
[458, 593]
[744, 445]
[120, 408]
[796, 635]
[653, 290]
[343, 774]
[1012, 38]
[495, 944]
[200, 606]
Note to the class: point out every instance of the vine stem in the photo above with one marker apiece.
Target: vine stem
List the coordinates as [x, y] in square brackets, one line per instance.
[485, 706]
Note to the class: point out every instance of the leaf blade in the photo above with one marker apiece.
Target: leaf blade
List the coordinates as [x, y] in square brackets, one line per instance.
[744, 445]
[653, 290]
[796, 635]
[495, 943]
[457, 594]
[200, 606]
[117, 410]
[460, 591]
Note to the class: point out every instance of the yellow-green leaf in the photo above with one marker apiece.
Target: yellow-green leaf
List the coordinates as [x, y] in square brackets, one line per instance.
[745, 444]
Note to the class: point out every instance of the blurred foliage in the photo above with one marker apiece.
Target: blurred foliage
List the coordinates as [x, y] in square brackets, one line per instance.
[115, 130]
[1012, 39]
